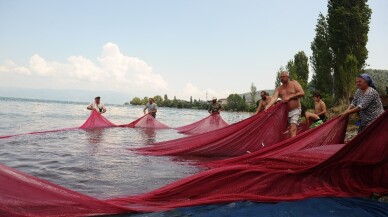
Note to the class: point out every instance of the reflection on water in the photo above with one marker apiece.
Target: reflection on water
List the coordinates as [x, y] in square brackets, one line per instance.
[148, 134]
[96, 162]
[95, 136]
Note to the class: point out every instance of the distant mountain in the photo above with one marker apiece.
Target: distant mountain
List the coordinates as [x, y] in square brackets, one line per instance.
[257, 96]
[108, 97]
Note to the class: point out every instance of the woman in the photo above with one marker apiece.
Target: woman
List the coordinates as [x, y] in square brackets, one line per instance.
[366, 101]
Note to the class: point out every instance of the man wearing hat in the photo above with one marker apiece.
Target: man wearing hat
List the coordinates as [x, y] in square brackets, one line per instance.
[215, 107]
[97, 105]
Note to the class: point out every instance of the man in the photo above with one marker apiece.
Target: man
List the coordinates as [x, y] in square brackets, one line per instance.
[319, 107]
[290, 92]
[97, 105]
[151, 107]
[215, 106]
[265, 99]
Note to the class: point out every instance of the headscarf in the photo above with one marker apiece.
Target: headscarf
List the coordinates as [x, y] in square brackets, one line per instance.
[368, 80]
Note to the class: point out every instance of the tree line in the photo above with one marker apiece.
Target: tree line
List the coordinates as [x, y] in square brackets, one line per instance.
[339, 53]
[234, 102]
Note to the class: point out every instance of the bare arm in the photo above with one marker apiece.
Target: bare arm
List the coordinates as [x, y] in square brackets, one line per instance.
[273, 99]
[351, 110]
[259, 107]
[145, 108]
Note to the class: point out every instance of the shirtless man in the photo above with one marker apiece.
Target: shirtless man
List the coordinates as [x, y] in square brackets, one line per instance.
[290, 92]
[265, 99]
[320, 107]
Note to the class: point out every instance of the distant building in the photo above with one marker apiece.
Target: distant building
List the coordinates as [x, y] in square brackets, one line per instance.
[223, 101]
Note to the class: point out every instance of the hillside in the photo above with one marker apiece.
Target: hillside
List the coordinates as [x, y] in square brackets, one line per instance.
[381, 79]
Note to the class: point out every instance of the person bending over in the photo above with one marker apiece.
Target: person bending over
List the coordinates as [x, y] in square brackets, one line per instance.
[290, 92]
[151, 107]
[97, 105]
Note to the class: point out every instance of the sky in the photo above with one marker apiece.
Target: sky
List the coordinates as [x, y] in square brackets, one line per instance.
[197, 48]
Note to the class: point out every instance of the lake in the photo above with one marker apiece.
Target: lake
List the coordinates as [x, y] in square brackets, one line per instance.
[95, 162]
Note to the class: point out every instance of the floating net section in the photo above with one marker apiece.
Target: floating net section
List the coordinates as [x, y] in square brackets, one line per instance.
[96, 120]
[25, 195]
[146, 121]
[243, 137]
[210, 123]
[332, 132]
[355, 169]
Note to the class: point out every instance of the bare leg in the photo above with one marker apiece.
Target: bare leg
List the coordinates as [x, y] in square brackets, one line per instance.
[293, 129]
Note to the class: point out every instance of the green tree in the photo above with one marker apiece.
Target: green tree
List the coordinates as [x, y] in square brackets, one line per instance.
[236, 103]
[191, 100]
[165, 97]
[348, 22]
[321, 59]
[292, 70]
[277, 79]
[158, 99]
[136, 101]
[144, 101]
[253, 93]
[301, 68]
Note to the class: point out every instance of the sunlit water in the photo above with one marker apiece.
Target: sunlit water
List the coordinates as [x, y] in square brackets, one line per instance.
[95, 162]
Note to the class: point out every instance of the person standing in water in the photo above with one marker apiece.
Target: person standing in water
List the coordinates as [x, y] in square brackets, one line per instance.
[290, 92]
[97, 105]
[215, 107]
[151, 107]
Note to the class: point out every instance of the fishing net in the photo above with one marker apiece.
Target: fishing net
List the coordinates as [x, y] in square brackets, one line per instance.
[25, 195]
[357, 168]
[96, 120]
[210, 123]
[332, 132]
[146, 121]
[243, 137]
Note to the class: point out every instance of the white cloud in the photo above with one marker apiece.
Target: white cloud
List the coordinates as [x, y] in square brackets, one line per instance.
[111, 71]
[198, 93]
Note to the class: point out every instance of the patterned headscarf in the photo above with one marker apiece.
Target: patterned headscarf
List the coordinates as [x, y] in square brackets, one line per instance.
[368, 80]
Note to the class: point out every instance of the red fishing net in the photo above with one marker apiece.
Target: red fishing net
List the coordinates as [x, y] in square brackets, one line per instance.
[26, 195]
[96, 120]
[332, 132]
[147, 121]
[357, 168]
[210, 123]
[249, 135]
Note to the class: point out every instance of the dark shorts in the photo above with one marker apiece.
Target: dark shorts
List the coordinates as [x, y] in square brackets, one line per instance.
[323, 117]
[153, 115]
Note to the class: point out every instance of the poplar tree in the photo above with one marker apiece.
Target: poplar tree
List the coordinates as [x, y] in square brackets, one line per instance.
[321, 59]
[348, 25]
[253, 93]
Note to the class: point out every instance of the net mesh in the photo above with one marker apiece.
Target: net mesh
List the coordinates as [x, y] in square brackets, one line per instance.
[246, 136]
[146, 121]
[210, 123]
[357, 168]
[96, 120]
[333, 132]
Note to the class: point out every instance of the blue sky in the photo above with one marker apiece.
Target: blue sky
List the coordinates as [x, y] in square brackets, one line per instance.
[148, 48]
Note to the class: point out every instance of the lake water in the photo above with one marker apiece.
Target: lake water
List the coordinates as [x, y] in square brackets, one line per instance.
[96, 162]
